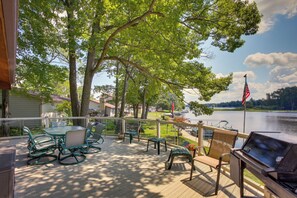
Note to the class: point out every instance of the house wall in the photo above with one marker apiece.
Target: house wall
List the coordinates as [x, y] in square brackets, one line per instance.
[94, 105]
[109, 112]
[48, 107]
[21, 106]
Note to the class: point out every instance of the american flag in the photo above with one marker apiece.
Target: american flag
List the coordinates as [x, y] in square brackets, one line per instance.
[246, 93]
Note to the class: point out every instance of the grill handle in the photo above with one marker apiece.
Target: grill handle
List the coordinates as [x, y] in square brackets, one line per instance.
[266, 171]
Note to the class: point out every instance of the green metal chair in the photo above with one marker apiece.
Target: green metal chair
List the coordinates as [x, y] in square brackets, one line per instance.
[71, 151]
[132, 130]
[94, 137]
[41, 148]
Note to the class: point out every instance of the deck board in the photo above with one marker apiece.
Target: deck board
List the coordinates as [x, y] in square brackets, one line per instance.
[119, 170]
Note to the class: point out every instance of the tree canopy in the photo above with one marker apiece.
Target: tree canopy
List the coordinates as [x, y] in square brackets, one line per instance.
[160, 39]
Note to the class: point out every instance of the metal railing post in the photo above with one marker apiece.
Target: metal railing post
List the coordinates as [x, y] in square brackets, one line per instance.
[200, 136]
[158, 128]
[47, 122]
[87, 120]
[123, 126]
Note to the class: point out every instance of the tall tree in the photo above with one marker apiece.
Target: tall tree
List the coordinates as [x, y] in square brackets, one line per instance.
[160, 37]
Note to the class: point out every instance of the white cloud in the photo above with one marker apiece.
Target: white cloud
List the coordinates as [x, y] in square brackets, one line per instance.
[283, 66]
[270, 8]
[270, 60]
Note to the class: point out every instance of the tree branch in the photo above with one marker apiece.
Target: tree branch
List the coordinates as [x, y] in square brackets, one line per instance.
[121, 28]
[142, 69]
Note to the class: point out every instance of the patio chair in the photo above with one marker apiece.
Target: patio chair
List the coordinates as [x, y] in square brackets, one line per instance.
[218, 154]
[133, 130]
[94, 139]
[71, 151]
[41, 148]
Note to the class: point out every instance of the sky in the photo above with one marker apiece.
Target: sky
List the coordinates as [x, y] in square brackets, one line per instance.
[269, 58]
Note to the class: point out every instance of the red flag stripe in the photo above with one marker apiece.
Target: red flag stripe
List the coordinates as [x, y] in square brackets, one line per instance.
[246, 93]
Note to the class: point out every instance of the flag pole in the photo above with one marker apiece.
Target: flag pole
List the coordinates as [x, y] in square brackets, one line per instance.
[244, 111]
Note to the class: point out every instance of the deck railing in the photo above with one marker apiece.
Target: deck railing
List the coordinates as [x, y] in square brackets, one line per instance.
[116, 126]
[173, 131]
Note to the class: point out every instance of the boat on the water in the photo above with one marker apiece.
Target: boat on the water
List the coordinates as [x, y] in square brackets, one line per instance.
[207, 133]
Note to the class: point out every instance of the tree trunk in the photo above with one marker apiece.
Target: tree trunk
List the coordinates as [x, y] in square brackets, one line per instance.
[117, 90]
[123, 102]
[143, 106]
[87, 84]
[146, 110]
[136, 111]
[72, 64]
[5, 112]
[89, 71]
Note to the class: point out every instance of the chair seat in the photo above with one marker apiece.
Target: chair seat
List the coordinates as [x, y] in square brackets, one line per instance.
[45, 145]
[207, 160]
[131, 132]
[42, 138]
[154, 139]
[180, 151]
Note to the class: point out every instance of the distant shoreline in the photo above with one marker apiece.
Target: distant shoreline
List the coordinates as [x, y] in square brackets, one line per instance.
[254, 110]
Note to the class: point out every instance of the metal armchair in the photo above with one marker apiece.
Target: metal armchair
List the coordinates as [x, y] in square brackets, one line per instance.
[218, 153]
[71, 151]
[41, 148]
[133, 130]
[95, 138]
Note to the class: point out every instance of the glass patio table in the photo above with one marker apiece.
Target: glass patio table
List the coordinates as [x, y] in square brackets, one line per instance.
[59, 133]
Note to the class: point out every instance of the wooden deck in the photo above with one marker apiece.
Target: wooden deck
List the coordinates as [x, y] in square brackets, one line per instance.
[119, 170]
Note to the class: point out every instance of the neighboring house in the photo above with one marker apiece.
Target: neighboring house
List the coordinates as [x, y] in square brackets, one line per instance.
[50, 107]
[109, 109]
[22, 106]
[94, 105]
[106, 109]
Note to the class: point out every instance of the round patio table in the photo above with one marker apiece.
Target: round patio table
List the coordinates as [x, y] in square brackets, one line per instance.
[59, 132]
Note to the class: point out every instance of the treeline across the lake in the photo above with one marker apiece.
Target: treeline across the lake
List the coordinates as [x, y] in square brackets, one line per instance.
[281, 99]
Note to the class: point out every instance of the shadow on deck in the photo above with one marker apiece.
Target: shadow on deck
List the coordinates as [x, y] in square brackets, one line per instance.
[119, 170]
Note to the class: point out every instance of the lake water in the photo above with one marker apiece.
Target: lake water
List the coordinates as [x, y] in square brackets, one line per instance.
[284, 122]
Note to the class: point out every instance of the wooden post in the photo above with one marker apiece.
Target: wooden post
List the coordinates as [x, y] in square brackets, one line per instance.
[158, 128]
[200, 136]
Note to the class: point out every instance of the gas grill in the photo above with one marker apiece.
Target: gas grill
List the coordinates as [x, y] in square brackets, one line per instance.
[272, 160]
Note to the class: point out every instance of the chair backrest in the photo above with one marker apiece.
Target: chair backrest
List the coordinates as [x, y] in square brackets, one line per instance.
[28, 131]
[133, 127]
[222, 142]
[75, 138]
[98, 130]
